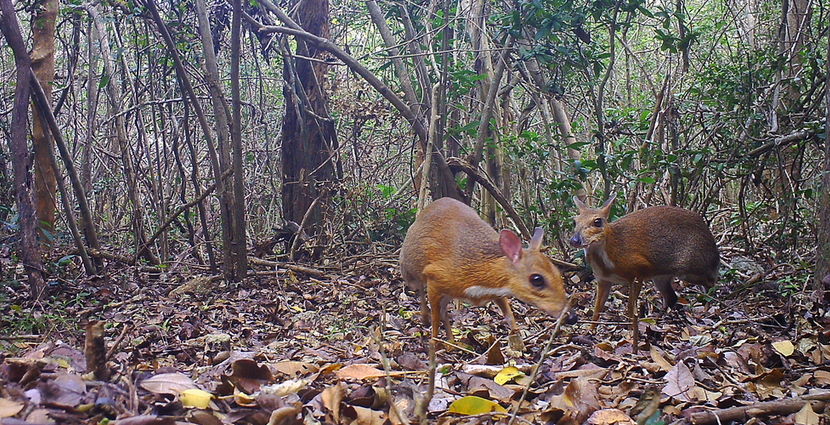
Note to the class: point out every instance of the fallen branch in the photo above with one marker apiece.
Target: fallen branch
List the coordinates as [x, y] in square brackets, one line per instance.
[293, 267]
[743, 413]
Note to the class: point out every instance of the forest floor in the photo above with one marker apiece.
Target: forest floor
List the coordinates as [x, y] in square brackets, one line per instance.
[347, 346]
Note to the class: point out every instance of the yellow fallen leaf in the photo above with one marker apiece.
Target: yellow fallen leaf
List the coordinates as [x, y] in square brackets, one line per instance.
[506, 374]
[243, 399]
[195, 397]
[472, 405]
[785, 347]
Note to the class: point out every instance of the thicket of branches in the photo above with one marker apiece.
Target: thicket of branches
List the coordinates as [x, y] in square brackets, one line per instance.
[202, 132]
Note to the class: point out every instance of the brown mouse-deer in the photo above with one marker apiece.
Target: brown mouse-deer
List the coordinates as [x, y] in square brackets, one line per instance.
[656, 243]
[450, 252]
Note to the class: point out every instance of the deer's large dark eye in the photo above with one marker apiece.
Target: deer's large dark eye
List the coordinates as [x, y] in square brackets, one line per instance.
[537, 280]
[598, 222]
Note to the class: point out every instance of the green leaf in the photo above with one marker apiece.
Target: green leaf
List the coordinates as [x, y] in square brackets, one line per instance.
[104, 81]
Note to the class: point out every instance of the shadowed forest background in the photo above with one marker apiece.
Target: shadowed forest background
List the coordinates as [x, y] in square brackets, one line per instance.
[268, 157]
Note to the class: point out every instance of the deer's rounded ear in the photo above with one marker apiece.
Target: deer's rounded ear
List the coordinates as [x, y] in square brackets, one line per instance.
[511, 245]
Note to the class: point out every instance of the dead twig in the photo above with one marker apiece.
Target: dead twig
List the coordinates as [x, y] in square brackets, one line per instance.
[559, 322]
[743, 413]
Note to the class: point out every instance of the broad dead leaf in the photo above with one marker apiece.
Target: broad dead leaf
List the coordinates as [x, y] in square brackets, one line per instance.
[332, 397]
[66, 390]
[609, 417]
[168, 383]
[579, 400]
[657, 357]
[360, 372]
[806, 416]
[9, 408]
[679, 382]
[785, 347]
[294, 368]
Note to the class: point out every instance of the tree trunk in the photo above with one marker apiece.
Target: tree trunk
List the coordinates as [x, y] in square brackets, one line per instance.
[446, 186]
[229, 226]
[19, 151]
[309, 141]
[239, 240]
[43, 64]
[92, 91]
[822, 278]
[115, 98]
[187, 88]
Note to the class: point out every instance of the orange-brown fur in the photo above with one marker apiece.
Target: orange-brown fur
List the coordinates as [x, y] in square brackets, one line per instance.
[450, 249]
[656, 243]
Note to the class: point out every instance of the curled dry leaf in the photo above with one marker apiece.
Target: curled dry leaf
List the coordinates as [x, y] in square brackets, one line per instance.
[285, 416]
[249, 376]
